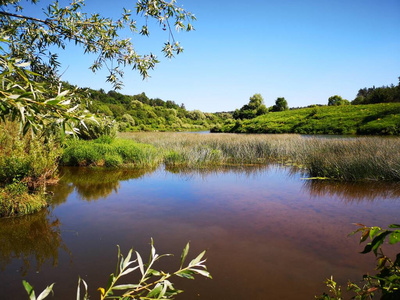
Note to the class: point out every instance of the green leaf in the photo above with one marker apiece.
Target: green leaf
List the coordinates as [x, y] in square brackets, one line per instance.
[127, 271]
[52, 101]
[127, 259]
[140, 262]
[394, 226]
[185, 274]
[155, 292]
[125, 286]
[46, 292]
[373, 232]
[197, 259]
[29, 290]
[394, 237]
[184, 254]
[110, 281]
[202, 272]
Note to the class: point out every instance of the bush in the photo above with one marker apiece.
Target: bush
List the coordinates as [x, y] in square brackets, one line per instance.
[23, 158]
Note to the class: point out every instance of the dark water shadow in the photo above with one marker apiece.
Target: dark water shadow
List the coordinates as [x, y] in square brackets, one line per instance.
[31, 239]
[350, 192]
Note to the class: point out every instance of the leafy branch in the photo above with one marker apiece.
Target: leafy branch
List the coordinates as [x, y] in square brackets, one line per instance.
[153, 284]
[387, 281]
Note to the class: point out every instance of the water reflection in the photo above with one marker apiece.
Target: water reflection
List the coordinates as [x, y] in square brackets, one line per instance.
[32, 238]
[263, 221]
[93, 184]
[354, 191]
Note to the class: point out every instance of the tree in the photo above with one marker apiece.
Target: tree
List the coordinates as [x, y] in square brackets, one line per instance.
[29, 69]
[280, 104]
[337, 100]
[254, 108]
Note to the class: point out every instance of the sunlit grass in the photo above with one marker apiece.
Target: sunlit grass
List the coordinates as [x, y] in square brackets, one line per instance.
[348, 159]
[113, 153]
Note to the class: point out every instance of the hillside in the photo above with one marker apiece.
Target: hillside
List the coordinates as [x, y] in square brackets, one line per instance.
[375, 119]
[141, 113]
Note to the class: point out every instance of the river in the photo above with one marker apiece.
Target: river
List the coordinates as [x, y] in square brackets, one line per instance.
[269, 233]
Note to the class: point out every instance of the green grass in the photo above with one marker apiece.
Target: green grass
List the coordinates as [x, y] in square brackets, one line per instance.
[373, 119]
[110, 153]
[16, 200]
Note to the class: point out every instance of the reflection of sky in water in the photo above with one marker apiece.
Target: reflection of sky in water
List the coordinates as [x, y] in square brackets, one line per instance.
[267, 222]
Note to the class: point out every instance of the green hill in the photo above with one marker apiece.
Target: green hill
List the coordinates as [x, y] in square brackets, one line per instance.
[376, 119]
[141, 113]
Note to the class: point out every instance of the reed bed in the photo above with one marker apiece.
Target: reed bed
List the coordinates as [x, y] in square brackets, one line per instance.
[347, 159]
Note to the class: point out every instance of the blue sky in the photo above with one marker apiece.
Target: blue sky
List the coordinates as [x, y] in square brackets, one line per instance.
[305, 51]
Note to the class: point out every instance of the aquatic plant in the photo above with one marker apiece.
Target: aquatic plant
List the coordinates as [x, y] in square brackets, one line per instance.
[347, 159]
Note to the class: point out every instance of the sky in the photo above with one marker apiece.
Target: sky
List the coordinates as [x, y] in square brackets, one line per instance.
[305, 51]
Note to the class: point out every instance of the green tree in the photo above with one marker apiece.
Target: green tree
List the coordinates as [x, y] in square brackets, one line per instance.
[254, 108]
[255, 101]
[280, 104]
[30, 89]
[337, 100]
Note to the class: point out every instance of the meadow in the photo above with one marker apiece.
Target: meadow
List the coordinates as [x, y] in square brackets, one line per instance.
[372, 119]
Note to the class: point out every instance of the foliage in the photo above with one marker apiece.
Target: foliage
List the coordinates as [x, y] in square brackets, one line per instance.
[114, 153]
[40, 106]
[387, 281]
[23, 158]
[140, 113]
[280, 105]
[377, 119]
[383, 94]
[337, 101]
[153, 284]
[31, 38]
[30, 89]
[254, 108]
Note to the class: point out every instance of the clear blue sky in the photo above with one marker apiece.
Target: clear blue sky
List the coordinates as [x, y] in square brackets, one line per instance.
[305, 51]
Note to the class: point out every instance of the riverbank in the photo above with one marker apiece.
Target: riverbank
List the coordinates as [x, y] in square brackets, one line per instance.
[340, 159]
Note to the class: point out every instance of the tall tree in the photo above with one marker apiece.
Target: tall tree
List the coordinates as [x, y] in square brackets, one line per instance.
[280, 104]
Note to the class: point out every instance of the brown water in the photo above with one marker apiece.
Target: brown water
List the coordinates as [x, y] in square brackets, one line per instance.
[268, 233]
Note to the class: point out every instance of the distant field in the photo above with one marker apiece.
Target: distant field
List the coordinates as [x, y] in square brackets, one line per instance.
[374, 119]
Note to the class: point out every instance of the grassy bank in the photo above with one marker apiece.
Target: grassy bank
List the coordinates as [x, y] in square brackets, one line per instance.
[109, 152]
[16, 200]
[373, 119]
[364, 158]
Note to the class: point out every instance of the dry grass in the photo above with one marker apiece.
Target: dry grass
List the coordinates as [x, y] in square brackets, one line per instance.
[348, 159]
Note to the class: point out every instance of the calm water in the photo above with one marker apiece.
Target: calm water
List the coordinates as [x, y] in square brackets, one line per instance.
[268, 233]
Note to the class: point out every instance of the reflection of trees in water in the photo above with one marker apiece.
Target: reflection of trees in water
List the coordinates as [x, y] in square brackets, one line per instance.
[28, 238]
[94, 183]
[354, 191]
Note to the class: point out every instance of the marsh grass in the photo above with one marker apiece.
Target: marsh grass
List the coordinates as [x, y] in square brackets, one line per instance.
[27, 164]
[347, 159]
[16, 200]
[109, 153]
[23, 158]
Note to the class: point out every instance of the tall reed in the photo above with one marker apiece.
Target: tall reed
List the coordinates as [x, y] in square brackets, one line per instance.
[348, 159]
